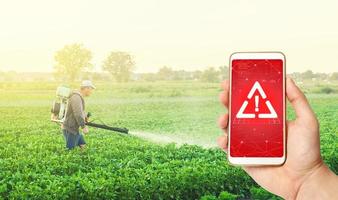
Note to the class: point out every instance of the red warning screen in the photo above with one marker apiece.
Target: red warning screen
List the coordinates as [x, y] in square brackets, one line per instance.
[256, 108]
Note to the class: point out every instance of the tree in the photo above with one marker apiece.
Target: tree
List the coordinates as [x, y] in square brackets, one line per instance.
[210, 75]
[182, 75]
[196, 75]
[72, 60]
[165, 73]
[120, 65]
[224, 72]
[9, 76]
[321, 76]
[307, 74]
[334, 76]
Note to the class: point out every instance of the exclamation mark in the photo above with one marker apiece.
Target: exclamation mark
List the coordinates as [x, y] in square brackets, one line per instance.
[256, 103]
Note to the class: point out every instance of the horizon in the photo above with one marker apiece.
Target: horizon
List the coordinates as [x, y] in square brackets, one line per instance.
[159, 33]
[51, 72]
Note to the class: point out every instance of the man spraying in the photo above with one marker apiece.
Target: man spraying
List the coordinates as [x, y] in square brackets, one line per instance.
[76, 117]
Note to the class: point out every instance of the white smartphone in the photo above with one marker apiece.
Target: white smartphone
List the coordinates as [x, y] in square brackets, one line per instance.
[257, 109]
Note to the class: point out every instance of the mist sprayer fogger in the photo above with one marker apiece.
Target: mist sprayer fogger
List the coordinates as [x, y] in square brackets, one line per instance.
[60, 106]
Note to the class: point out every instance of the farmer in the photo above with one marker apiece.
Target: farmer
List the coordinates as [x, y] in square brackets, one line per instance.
[76, 117]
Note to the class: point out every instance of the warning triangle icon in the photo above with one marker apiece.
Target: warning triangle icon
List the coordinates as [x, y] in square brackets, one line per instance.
[259, 88]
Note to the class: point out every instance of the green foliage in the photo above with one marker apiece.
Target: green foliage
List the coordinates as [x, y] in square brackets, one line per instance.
[261, 194]
[165, 73]
[227, 196]
[211, 75]
[120, 65]
[307, 75]
[327, 90]
[334, 76]
[71, 61]
[222, 196]
[209, 197]
[35, 165]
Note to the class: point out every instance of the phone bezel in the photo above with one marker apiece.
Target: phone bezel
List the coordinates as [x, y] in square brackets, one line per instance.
[257, 160]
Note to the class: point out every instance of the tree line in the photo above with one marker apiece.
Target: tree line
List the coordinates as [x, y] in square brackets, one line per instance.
[74, 62]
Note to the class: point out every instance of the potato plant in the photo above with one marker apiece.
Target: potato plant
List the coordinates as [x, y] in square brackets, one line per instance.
[35, 165]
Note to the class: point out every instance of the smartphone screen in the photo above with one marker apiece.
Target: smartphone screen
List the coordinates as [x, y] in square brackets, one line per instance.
[257, 103]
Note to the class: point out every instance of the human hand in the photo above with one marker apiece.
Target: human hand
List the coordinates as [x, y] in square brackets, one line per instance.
[85, 130]
[304, 174]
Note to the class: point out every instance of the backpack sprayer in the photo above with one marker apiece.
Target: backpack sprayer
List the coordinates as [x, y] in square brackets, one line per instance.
[60, 106]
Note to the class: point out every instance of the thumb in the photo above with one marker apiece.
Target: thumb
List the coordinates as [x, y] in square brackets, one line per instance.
[299, 103]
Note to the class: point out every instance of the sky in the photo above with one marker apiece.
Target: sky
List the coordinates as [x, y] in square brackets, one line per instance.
[189, 35]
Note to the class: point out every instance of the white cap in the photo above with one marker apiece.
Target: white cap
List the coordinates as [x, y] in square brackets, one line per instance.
[87, 83]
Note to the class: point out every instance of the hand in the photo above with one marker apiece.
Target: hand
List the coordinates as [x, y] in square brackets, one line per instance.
[85, 130]
[304, 174]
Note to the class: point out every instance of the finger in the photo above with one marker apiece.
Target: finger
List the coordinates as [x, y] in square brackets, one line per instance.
[224, 95]
[223, 142]
[299, 102]
[223, 121]
[224, 98]
[225, 85]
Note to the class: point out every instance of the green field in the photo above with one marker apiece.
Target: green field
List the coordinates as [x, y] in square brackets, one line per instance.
[35, 165]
